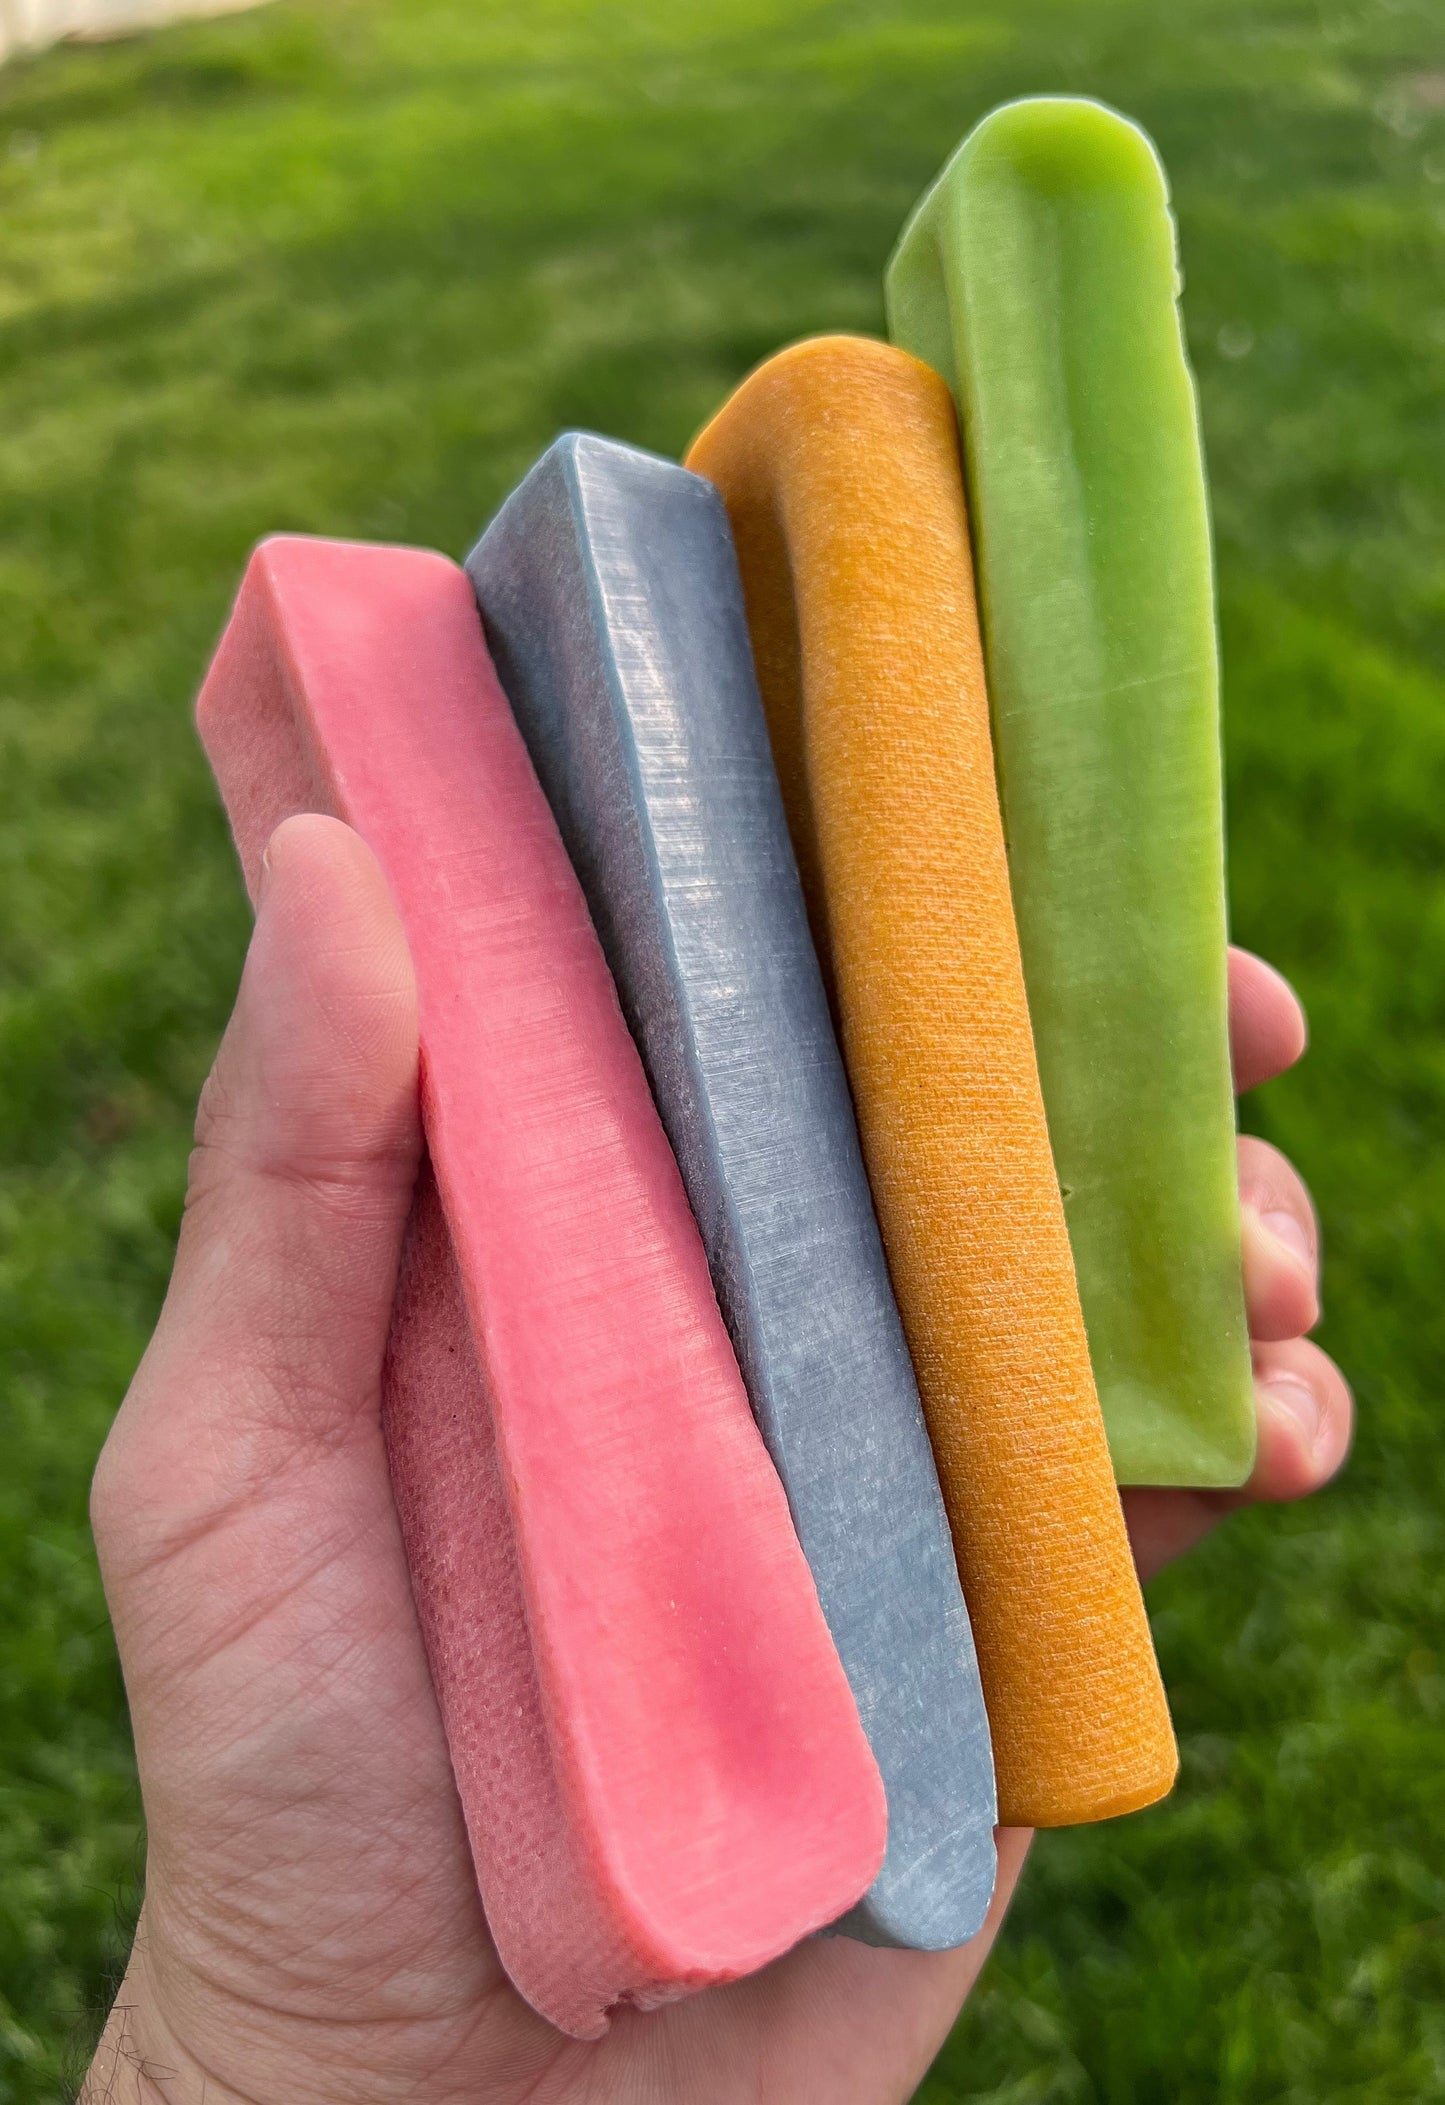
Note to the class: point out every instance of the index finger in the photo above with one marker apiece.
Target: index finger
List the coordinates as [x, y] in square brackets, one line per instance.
[1267, 1028]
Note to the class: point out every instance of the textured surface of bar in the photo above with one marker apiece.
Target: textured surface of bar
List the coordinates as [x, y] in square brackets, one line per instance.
[661, 1765]
[838, 461]
[613, 610]
[1039, 276]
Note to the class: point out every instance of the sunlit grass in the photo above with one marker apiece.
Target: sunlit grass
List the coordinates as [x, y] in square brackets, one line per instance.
[346, 268]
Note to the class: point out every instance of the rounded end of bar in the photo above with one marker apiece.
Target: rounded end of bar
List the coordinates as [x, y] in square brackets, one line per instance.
[1059, 142]
[932, 1902]
[1206, 1440]
[709, 1938]
[810, 370]
[1048, 146]
[1052, 1802]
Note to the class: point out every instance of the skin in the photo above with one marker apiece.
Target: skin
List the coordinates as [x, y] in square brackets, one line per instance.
[311, 1930]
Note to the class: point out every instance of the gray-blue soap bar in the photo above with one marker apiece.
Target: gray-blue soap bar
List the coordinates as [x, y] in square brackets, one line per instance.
[609, 589]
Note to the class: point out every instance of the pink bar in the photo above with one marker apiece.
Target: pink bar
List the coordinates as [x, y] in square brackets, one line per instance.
[662, 1770]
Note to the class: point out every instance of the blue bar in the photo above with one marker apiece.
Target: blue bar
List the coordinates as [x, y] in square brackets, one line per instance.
[609, 590]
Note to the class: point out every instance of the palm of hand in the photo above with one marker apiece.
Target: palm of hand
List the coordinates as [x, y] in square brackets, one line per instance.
[311, 1902]
[312, 1928]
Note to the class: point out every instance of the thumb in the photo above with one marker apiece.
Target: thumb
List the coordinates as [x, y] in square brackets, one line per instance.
[305, 1852]
[269, 1348]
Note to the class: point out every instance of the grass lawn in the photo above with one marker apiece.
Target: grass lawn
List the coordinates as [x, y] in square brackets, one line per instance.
[345, 267]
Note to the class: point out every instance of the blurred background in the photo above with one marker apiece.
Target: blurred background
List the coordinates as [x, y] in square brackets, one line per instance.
[345, 267]
[31, 25]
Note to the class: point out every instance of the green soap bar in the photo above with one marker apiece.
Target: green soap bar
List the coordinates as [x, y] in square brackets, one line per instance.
[1039, 276]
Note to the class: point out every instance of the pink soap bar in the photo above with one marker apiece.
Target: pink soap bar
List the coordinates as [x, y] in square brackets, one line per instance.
[659, 1759]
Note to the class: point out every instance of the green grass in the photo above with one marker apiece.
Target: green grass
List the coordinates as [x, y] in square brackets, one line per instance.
[346, 268]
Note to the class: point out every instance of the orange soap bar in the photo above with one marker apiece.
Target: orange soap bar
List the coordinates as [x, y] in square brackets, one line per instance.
[839, 464]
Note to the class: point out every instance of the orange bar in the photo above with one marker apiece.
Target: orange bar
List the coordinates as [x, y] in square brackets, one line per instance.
[838, 461]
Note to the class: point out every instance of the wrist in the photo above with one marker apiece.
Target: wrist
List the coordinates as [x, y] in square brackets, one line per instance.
[139, 2059]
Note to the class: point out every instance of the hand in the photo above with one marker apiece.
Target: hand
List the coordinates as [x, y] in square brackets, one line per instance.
[311, 1929]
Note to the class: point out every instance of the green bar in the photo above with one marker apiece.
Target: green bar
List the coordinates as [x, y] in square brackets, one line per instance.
[1038, 275]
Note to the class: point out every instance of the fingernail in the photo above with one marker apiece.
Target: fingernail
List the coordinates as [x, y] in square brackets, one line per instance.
[263, 876]
[1288, 1229]
[1300, 1402]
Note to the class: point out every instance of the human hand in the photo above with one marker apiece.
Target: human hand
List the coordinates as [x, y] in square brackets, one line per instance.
[312, 1930]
